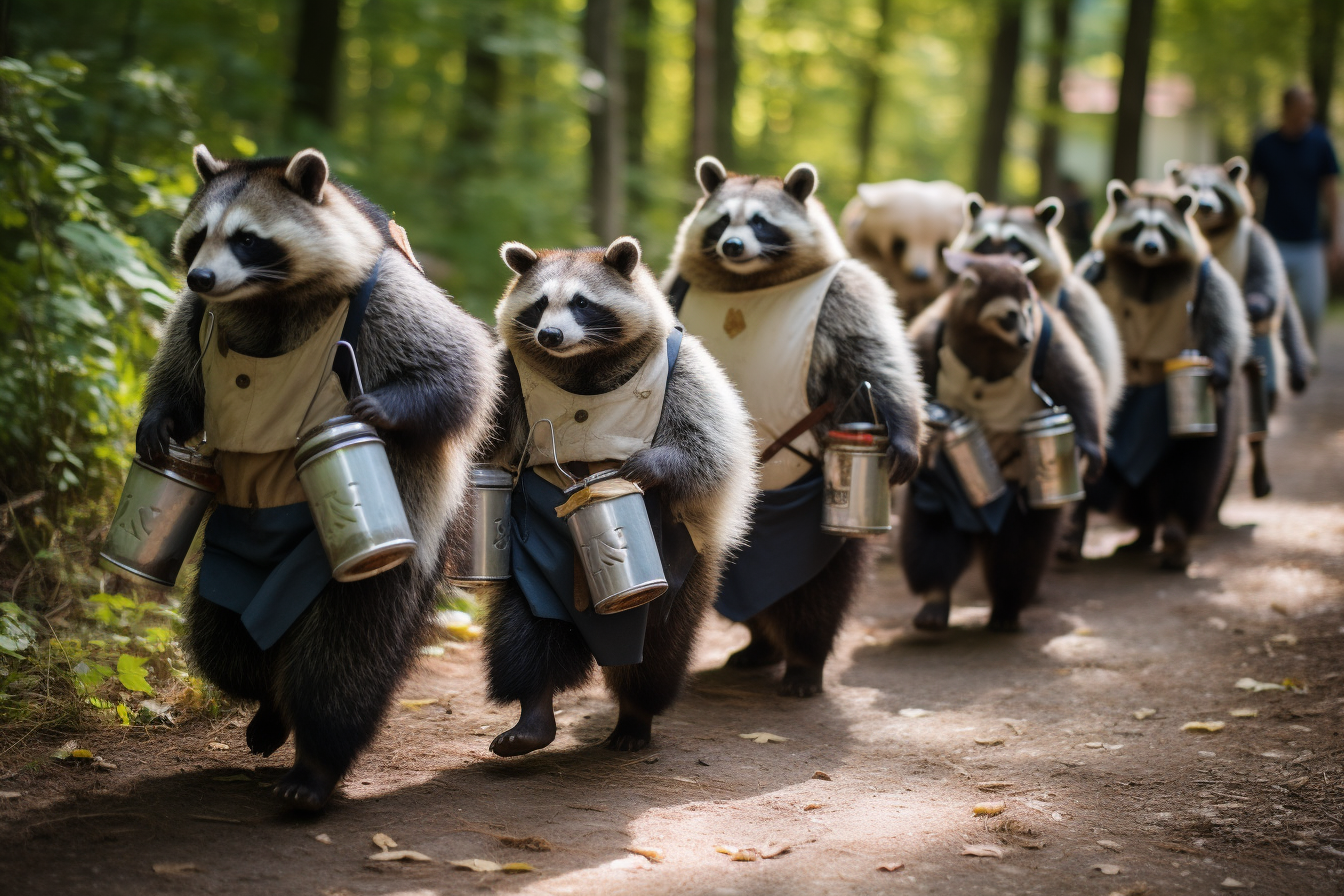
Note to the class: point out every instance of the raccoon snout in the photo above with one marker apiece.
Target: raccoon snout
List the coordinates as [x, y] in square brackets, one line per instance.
[551, 337]
[734, 247]
[920, 274]
[1151, 248]
[201, 280]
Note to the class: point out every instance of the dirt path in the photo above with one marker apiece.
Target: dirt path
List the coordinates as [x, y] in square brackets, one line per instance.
[1047, 717]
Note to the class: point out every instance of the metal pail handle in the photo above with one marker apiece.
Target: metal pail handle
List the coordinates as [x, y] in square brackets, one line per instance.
[331, 360]
[555, 452]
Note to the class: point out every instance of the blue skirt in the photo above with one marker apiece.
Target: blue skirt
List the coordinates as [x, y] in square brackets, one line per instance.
[938, 490]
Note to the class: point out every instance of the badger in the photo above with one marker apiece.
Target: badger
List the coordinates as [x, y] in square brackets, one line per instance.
[1027, 233]
[758, 272]
[594, 360]
[901, 228]
[1224, 213]
[1167, 293]
[282, 261]
[990, 348]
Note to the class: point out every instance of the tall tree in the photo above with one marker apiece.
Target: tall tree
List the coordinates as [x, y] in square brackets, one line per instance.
[1325, 17]
[1047, 154]
[604, 38]
[703, 72]
[638, 25]
[999, 101]
[870, 87]
[482, 88]
[1133, 87]
[725, 77]
[313, 82]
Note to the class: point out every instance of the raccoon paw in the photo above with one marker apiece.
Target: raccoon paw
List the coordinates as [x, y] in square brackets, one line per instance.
[758, 653]
[267, 732]
[1297, 380]
[528, 735]
[153, 434]
[800, 681]
[933, 616]
[1175, 548]
[904, 457]
[306, 788]
[368, 409]
[629, 735]
[646, 468]
[1004, 621]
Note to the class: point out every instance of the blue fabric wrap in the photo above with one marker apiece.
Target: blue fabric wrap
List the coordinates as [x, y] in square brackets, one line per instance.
[266, 565]
[938, 490]
[786, 548]
[1139, 434]
[1262, 347]
[542, 563]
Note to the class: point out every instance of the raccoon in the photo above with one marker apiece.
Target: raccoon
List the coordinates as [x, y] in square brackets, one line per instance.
[901, 228]
[274, 249]
[590, 323]
[1224, 214]
[1154, 270]
[760, 275]
[988, 347]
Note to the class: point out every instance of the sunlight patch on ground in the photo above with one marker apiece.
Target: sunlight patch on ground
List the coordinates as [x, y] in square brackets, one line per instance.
[1270, 591]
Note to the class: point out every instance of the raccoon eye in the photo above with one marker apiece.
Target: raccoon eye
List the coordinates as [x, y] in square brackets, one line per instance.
[244, 239]
[580, 302]
[898, 247]
[1009, 321]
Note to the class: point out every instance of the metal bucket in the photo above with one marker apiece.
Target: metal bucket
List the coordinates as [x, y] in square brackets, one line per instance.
[160, 510]
[856, 472]
[1257, 410]
[1051, 455]
[1190, 409]
[616, 549]
[488, 503]
[967, 449]
[344, 472]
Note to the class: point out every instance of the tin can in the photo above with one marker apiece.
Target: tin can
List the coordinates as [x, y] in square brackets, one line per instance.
[967, 449]
[1190, 409]
[1051, 454]
[488, 501]
[160, 510]
[1257, 410]
[357, 509]
[856, 472]
[617, 550]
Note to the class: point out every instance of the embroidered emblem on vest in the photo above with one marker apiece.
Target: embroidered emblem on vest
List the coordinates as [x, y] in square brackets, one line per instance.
[734, 323]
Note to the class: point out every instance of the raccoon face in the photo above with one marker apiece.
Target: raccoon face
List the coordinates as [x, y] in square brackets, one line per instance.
[747, 224]
[1022, 233]
[1221, 196]
[262, 225]
[1152, 228]
[572, 303]
[993, 296]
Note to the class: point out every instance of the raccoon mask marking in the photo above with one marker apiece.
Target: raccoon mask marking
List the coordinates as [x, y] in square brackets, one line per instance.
[1150, 227]
[1222, 198]
[1022, 232]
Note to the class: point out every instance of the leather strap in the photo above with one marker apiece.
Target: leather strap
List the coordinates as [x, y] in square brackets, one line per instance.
[354, 317]
[814, 417]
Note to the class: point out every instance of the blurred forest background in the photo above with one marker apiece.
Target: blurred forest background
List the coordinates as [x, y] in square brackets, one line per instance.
[556, 122]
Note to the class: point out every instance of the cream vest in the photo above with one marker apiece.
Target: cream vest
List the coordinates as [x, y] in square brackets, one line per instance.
[256, 408]
[1151, 333]
[763, 339]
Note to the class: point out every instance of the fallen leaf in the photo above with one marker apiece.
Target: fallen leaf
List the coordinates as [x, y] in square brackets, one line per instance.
[516, 868]
[1250, 684]
[993, 785]
[1294, 684]
[989, 741]
[771, 850]
[983, 850]
[417, 704]
[384, 842]
[1278, 608]
[628, 863]
[1084, 632]
[81, 754]
[821, 776]
[1094, 745]
[1204, 726]
[477, 865]
[913, 713]
[1232, 883]
[745, 855]
[9, 794]
[535, 844]
[403, 855]
[323, 838]
[102, 764]
[1109, 844]
[726, 850]
[762, 737]
[893, 866]
[1243, 713]
[213, 745]
[1144, 713]
[808, 808]
[1286, 638]
[990, 808]
[653, 855]
[1107, 869]
[171, 868]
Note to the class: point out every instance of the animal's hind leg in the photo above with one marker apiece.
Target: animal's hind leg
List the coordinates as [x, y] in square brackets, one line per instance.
[648, 688]
[760, 651]
[1015, 561]
[808, 618]
[934, 554]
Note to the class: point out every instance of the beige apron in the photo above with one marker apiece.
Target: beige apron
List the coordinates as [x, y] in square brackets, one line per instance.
[256, 408]
[763, 340]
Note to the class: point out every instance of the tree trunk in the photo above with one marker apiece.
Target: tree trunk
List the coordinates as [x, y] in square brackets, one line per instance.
[999, 102]
[703, 92]
[314, 79]
[604, 35]
[1325, 16]
[481, 88]
[1133, 86]
[638, 25]
[870, 88]
[1048, 151]
[725, 78]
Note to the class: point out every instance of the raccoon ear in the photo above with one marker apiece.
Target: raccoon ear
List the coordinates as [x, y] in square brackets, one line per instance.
[623, 255]
[206, 165]
[307, 174]
[518, 257]
[869, 196]
[711, 173]
[1117, 192]
[957, 262]
[1237, 168]
[1173, 168]
[975, 204]
[1049, 211]
[1185, 201]
[801, 181]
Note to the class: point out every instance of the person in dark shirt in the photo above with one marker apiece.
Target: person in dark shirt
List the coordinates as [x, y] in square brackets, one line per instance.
[1295, 168]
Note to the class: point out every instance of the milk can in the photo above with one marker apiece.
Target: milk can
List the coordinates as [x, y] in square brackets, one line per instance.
[965, 446]
[1190, 410]
[488, 503]
[356, 507]
[160, 510]
[856, 472]
[615, 544]
[1257, 411]
[1051, 459]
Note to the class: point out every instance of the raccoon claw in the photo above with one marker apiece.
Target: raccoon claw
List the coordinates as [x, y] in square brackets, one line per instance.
[368, 409]
[153, 434]
[629, 735]
[904, 457]
[305, 788]
[267, 732]
[642, 468]
[800, 681]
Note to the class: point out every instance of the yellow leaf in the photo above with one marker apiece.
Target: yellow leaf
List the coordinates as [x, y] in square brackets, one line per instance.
[989, 741]
[477, 865]
[810, 806]
[1142, 714]
[416, 704]
[653, 855]
[1250, 684]
[762, 737]
[745, 855]
[726, 850]
[516, 868]
[982, 850]
[1204, 726]
[216, 745]
[81, 754]
[1244, 713]
[400, 855]
[990, 808]
[384, 842]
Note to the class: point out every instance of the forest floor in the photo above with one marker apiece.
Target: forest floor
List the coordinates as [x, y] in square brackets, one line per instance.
[884, 769]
